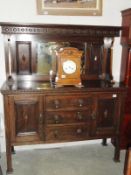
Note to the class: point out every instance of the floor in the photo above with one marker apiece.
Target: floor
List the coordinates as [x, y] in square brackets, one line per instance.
[93, 159]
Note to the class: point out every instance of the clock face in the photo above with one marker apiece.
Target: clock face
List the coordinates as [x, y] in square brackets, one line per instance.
[69, 67]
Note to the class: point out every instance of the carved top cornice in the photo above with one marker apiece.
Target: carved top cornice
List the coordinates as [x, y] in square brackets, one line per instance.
[70, 30]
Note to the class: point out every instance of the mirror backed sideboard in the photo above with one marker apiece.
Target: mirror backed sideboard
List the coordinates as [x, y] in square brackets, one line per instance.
[36, 110]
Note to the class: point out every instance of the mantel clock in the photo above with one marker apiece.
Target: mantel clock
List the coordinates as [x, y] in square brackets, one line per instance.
[69, 67]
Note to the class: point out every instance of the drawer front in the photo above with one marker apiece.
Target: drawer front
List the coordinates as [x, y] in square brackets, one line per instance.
[68, 102]
[60, 117]
[67, 133]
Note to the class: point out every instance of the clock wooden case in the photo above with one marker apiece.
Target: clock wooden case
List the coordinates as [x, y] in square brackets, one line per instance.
[69, 67]
[35, 110]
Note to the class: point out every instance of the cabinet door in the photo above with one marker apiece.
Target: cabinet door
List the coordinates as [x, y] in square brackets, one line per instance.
[106, 115]
[27, 118]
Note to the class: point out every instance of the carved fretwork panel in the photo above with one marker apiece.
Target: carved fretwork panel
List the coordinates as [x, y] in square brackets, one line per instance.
[72, 30]
[23, 55]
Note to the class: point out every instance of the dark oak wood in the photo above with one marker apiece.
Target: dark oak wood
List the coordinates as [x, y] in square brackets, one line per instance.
[126, 76]
[36, 111]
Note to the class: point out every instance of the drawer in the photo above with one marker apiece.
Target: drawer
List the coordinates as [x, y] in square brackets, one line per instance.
[67, 133]
[68, 102]
[60, 117]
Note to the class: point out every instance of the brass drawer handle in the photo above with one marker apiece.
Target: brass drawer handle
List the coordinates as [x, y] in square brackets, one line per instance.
[41, 118]
[56, 134]
[57, 119]
[57, 104]
[106, 114]
[26, 117]
[79, 131]
[93, 116]
[79, 116]
[81, 102]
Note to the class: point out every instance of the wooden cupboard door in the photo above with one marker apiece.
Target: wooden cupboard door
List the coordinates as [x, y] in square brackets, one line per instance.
[28, 118]
[107, 115]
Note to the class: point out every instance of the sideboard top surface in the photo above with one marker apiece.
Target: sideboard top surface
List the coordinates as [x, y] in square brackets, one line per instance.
[37, 87]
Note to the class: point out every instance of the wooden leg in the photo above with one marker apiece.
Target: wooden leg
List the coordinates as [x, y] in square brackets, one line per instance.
[126, 161]
[104, 142]
[9, 159]
[1, 171]
[9, 154]
[117, 151]
[8, 120]
[13, 150]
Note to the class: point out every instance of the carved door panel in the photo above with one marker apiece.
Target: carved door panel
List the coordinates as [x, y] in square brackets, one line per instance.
[27, 117]
[106, 115]
[23, 54]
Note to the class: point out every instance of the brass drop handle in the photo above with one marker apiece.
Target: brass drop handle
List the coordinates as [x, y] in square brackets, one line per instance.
[57, 104]
[57, 119]
[81, 102]
[56, 133]
[26, 117]
[79, 131]
[41, 118]
[26, 120]
[79, 116]
[105, 114]
[93, 116]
